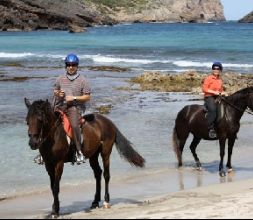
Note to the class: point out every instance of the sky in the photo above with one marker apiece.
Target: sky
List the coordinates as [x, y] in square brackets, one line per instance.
[237, 9]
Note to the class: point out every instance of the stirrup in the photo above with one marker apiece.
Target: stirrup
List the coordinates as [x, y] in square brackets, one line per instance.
[212, 134]
[39, 160]
[80, 158]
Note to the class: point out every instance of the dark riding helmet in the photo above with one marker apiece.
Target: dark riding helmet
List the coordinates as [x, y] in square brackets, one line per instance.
[72, 59]
[217, 64]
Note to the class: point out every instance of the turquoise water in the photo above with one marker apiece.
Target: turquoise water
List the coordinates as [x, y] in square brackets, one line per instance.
[147, 119]
[141, 46]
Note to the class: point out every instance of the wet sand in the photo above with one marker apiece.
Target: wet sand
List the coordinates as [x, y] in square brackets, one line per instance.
[223, 200]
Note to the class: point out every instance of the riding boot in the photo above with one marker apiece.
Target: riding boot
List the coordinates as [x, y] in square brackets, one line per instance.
[80, 158]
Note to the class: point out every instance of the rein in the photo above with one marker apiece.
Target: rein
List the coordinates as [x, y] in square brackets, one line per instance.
[235, 107]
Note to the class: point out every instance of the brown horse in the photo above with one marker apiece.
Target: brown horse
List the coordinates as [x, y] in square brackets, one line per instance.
[191, 119]
[46, 133]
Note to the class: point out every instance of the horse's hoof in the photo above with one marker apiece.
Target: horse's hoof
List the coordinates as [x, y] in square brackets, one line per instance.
[95, 205]
[230, 170]
[54, 216]
[222, 174]
[199, 168]
[106, 205]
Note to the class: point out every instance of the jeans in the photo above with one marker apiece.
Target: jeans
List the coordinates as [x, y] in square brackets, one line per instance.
[74, 118]
[211, 106]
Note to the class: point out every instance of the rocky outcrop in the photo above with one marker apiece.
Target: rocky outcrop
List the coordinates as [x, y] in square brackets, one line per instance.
[247, 19]
[75, 15]
[190, 81]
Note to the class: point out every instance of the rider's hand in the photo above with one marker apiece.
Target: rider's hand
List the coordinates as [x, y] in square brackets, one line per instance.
[59, 93]
[224, 94]
[69, 98]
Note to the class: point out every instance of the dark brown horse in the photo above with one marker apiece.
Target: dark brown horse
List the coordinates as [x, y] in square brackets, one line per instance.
[46, 133]
[191, 119]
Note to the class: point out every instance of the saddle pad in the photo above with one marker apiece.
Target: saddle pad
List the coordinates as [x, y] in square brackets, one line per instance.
[66, 124]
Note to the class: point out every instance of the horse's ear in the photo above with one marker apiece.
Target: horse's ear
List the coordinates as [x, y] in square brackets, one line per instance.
[28, 103]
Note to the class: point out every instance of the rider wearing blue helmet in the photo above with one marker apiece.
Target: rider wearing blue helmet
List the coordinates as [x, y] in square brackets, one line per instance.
[72, 92]
[213, 87]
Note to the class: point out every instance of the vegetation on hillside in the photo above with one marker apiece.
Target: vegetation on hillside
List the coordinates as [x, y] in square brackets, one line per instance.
[113, 4]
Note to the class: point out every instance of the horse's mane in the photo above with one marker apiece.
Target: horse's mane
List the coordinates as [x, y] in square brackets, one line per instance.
[41, 106]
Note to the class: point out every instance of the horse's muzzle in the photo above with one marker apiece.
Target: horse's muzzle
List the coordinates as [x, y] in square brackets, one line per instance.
[34, 143]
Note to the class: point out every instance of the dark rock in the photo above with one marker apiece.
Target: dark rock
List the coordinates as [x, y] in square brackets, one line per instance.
[247, 19]
[109, 68]
[27, 15]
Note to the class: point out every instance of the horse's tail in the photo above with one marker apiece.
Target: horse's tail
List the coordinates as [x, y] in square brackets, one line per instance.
[126, 150]
[176, 147]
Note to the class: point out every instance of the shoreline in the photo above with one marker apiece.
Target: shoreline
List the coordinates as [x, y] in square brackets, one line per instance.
[229, 200]
[215, 201]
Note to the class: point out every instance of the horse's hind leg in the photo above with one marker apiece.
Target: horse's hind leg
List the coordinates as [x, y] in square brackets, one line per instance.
[98, 175]
[193, 147]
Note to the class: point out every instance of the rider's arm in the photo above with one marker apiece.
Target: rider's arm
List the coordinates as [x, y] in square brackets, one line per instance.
[82, 99]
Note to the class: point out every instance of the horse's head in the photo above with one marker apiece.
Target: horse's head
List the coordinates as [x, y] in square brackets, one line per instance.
[250, 98]
[37, 121]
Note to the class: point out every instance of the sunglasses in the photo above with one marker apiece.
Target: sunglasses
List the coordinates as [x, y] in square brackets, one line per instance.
[216, 68]
[71, 65]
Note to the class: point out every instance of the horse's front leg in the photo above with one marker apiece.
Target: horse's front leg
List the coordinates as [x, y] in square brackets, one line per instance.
[231, 143]
[98, 176]
[55, 173]
[106, 162]
[222, 154]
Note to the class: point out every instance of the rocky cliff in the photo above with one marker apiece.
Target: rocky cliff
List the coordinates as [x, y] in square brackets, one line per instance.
[173, 11]
[75, 15]
[247, 19]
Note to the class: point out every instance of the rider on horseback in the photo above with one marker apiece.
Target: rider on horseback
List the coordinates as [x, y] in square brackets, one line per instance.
[71, 93]
[213, 87]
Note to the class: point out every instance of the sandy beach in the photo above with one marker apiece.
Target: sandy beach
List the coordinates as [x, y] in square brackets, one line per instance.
[230, 200]
[218, 201]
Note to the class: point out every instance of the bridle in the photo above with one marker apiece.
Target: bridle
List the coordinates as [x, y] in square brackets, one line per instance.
[235, 107]
[42, 130]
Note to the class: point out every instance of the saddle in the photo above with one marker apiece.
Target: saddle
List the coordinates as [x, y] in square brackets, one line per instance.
[67, 126]
[69, 133]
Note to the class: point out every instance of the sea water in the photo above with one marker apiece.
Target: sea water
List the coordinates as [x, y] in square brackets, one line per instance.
[145, 118]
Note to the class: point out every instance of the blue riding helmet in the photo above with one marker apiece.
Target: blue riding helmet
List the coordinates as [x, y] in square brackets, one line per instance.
[72, 58]
[217, 64]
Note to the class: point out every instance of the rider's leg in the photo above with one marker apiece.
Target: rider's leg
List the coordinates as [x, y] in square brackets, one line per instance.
[212, 115]
[74, 118]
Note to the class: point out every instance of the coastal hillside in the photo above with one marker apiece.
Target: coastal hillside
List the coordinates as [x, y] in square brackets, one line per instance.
[247, 19]
[75, 15]
[172, 11]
